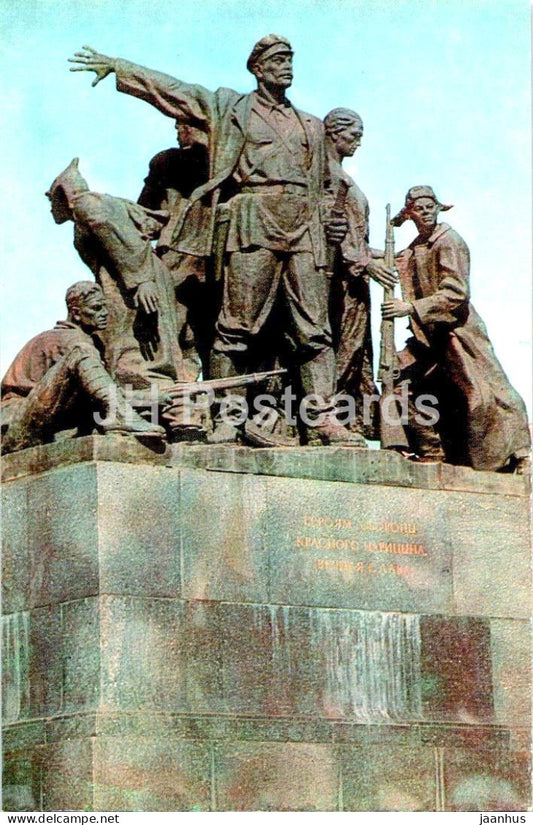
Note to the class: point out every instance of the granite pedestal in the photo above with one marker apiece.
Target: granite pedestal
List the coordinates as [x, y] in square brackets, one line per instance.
[220, 628]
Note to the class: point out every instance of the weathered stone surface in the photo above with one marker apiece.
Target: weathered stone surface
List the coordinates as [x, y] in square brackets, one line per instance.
[157, 766]
[223, 536]
[16, 565]
[345, 464]
[132, 654]
[160, 725]
[308, 462]
[62, 535]
[327, 463]
[486, 780]
[75, 450]
[24, 735]
[51, 556]
[246, 659]
[467, 480]
[394, 778]
[51, 660]
[456, 668]
[16, 654]
[201, 657]
[75, 726]
[489, 536]
[144, 775]
[270, 662]
[21, 780]
[45, 662]
[511, 671]
[176, 619]
[382, 735]
[67, 776]
[80, 649]
[345, 547]
[138, 530]
[472, 736]
[254, 777]
[257, 660]
[141, 665]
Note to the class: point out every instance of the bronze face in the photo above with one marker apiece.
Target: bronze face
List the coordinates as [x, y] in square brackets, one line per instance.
[61, 211]
[92, 313]
[275, 71]
[424, 213]
[348, 140]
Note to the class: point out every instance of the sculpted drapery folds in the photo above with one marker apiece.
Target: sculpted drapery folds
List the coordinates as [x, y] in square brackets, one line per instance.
[350, 290]
[172, 177]
[248, 249]
[483, 421]
[58, 381]
[112, 236]
[268, 169]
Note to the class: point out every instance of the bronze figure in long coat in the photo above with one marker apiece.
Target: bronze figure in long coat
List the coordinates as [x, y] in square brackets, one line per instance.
[112, 236]
[483, 421]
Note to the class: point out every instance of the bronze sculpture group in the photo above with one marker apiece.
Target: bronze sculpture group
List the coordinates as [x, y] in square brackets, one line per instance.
[248, 250]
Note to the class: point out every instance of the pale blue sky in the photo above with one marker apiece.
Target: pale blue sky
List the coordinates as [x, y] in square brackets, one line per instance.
[442, 86]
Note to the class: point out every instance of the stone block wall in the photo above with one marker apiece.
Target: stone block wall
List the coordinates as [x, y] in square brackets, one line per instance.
[236, 629]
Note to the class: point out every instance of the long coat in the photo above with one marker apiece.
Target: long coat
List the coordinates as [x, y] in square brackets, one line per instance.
[224, 115]
[112, 237]
[447, 330]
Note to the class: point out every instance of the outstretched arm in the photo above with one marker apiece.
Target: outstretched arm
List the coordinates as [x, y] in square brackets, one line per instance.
[173, 97]
[92, 61]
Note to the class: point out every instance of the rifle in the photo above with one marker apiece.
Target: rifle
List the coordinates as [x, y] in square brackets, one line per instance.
[192, 388]
[391, 432]
[337, 211]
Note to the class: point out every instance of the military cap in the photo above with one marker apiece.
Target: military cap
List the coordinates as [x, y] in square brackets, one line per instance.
[266, 47]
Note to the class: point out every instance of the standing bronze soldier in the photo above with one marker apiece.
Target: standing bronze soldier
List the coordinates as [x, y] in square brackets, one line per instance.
[483, 421]
[268, 169]
[172, 177]
[350, 291]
